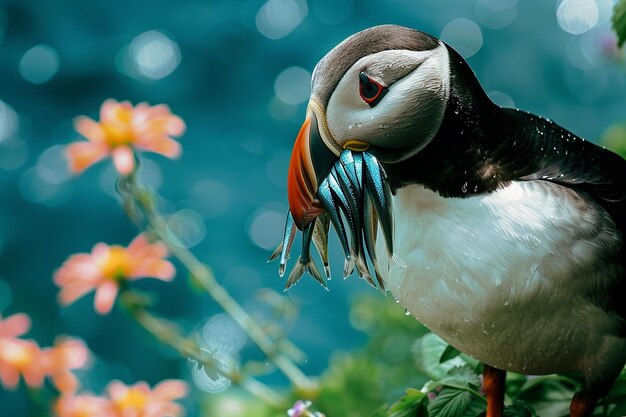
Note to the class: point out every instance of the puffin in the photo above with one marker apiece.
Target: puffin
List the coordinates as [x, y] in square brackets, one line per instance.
[509, 229]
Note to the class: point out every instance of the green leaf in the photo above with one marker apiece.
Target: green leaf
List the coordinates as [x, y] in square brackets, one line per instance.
[452, 402]
[413, 404]
[450, 353]
[428, 349]
[462, 375]
[520, 409]
[619, 21]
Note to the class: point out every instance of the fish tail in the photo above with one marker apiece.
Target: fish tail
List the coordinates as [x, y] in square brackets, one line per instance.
[295, 275]
[276, 253]
[348, 266]
[396, 262]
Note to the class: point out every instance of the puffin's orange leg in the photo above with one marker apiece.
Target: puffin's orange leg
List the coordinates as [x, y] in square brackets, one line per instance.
[582, 404]
[493, 386]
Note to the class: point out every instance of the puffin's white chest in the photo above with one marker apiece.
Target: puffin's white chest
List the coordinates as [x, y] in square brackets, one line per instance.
[505, 277]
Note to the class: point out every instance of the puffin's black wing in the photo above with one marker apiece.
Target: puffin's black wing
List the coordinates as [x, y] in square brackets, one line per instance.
[534, 148]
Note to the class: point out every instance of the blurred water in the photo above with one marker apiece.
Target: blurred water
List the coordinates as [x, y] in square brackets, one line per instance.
[237, 73]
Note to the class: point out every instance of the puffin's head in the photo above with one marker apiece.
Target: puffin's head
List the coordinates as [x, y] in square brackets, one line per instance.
[383, 90]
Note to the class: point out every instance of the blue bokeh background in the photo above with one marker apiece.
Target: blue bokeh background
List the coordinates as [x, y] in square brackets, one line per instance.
[237, 73]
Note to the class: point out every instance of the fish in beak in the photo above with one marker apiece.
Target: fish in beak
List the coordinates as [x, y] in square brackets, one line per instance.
[345, 186]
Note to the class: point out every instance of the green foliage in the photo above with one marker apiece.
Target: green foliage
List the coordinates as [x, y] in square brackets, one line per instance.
[520, 409]
[614, 138]
[453, 402]
[441, 382]
[413, 404]
[619, 21]
[449, 353]
[401, 353]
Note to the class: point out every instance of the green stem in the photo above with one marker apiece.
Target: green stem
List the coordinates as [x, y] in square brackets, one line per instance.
[205, 278]
[167, 334]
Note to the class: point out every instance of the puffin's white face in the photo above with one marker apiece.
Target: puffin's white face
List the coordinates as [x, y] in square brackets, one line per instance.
[384, 89]
[390, 99]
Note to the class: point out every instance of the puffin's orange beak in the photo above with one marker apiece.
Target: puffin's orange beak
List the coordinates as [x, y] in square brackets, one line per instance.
[310, 162]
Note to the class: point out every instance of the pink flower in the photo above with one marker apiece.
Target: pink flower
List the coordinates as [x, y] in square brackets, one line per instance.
[122, 130]
[83, 406]
[20, 357]
[139, 400]
[106, 266]
[15, 325]
[67, 354]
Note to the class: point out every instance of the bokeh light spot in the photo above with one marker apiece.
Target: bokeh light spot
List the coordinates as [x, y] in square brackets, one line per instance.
[151, 56]
[495, 16]
[39, 64]
[497, 4]
[221, 333]
[577, 16]
[501, 99]
[463, 35]
[332, 12]
[186, 228]
[150, 173]
[278, 18]
[266, 229]
[210, 198]
[277, 166]
[13, 153]
[293, 85]
[37, 189]
[52, 165]
[8, 121]
[281, 111]
[209, 380]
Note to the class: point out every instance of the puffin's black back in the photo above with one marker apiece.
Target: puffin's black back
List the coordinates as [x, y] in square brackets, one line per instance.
[481, 147]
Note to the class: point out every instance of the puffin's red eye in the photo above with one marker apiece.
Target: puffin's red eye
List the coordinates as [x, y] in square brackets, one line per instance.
[371, 91]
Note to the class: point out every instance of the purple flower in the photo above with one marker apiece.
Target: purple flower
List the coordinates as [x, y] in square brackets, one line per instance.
[300, 409]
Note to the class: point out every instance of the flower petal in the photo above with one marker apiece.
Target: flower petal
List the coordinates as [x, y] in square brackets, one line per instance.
[154, 268]
[124, 159]
[163, 146]
[82, 155]
[89, 128]
[116, 389]
[65, 382]
[9, 377]
[15, 325]
[73, 292]
[105, 296]
[170, 389]
[107, 109]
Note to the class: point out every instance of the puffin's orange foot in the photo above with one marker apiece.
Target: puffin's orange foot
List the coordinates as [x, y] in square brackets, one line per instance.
[582, 404]
[493, 386]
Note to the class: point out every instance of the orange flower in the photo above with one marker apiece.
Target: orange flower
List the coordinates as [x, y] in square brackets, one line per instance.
[20, 357]
[83, 406]
[106, 266]
[139, 401]
[15, 325]
[67, 354]
[121, 130]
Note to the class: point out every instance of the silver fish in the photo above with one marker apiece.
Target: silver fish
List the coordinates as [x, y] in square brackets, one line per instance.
[305, 263]
[320, 240]
[380, 194]
[354, 191]
[370, 228]
[354, 199]
[285, 246]
[347, 160]
[326, 197]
